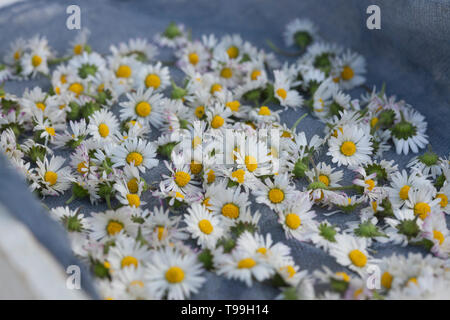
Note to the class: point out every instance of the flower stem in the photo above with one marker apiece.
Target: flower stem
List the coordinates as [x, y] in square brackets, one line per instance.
[71, 199]
[298, 121]
[282, 52]
[108, 201]
[341, 188]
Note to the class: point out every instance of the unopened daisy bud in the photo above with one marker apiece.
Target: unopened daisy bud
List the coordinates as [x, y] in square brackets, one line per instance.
[88, 109]
[300, 168]
[440, 180]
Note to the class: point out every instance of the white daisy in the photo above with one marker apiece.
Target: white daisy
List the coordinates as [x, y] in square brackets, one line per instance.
[53, 177]
[137, 151]
[109, 224]
[103, 125]
[351, 252]
[276, 194]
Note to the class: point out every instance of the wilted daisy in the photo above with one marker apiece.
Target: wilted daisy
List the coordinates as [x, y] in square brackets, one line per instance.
[173, 274]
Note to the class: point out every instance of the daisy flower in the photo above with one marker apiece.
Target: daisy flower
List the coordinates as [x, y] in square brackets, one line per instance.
[137, 151]
[325, 235]
[109, 224]
[444, 194]
[144, 106]
[283, 93]
[243, 266]
[174, 274]
[203, 226]
[137, 48]
[127, 253]
[53, 177]
[131, 283]
[229, 203]
[16, 50]
[162, 227]
[174, 36]
[126, 196]
[36, 60]
[218, 116]
[435, 229]
[301, 32]
[351, 147]
[103, 125]
[88, 65]
[426, 164]
[232, 45]
[401, 184]
[297, 218]
[404, 227]
[193, 54]
[408, 132]
[79, 44]
[422, 202]
[326, 174]
[252, 155]
[155, 76]
[275, 194]
[350, 252]
[348, 70]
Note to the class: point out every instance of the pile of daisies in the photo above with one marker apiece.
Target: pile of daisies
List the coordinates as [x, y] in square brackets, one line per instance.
[214, 146]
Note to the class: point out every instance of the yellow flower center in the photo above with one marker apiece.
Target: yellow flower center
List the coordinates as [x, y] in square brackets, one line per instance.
[293, 221]
[36, 61]
[133, 200]
[211, 176]
[134, 157]
[422, 209]
[215, 87]
[143, 109]
[438, 236]
[230, 210]
[358, 258]
[276, 195]
[133, 185]
[16, 55]
[41, 106]
[264, 111]
[239, 175]
[114, 227]
[63, 79]
[123, 71]
[250, 163]
[345, 277]
[255, 74]
[82, 167]
[282, 93]
[246, 263]
[226, 73]
[290, 270]
[200, 112]
[233, 52]
[50, 131]
[403, 194]
[182, 178]
[152, 80]
[196, 167]
[371, 184]
[129, 261]
[286, 134]
[103, 130]
[175, 275]
[262, 250]
[412, 280]
[51, 177]
[444, 199]
[205, 226]
[138, 283]
[233, 105]
[373, 122]
[160, 231]
[76, 88]
[347, 73]
[324, 179]
[386, 280]
[217, 122]
[348, 148]
[193, 58]
[78, 49]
